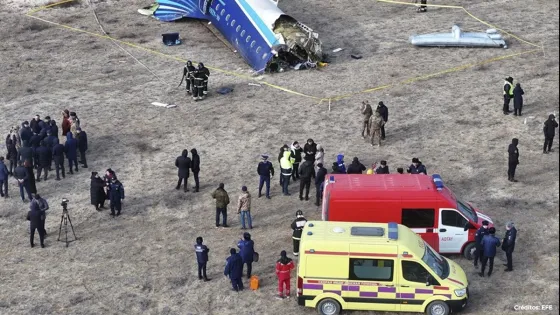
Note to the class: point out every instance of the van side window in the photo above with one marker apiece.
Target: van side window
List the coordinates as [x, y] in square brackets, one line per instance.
[418, 218]
[414, 272]
[371, 269]
[453, 218]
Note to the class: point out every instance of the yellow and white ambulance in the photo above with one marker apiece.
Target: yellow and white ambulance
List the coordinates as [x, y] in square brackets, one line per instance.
[377, 267]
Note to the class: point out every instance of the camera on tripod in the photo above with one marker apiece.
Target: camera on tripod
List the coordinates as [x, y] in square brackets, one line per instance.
[64, 203]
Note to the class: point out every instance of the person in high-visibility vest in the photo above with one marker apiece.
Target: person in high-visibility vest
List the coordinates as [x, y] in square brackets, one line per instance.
[508, 94]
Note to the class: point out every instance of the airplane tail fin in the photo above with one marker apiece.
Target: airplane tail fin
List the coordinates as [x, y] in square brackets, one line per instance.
[171, 10]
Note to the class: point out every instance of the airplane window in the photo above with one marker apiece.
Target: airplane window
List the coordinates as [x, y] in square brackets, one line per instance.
[264, 56]
[253, 44]
[217, 7]
[248, 38]
[232, 23]
[227, 17]
[223, 11]
[238, 28]
[259, 49]
[242, 33]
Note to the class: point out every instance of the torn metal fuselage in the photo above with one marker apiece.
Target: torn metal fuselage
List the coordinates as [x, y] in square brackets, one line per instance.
[297, 45]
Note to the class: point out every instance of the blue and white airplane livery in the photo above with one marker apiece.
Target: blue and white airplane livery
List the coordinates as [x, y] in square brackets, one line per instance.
[263, 35]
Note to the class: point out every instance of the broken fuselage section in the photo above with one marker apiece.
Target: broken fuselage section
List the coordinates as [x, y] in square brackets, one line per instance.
[261, 33]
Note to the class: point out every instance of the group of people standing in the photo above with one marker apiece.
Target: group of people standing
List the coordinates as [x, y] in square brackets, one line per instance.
[486, 244]
[196, 79]
[108, 187]
[36, 146]
[374, 122]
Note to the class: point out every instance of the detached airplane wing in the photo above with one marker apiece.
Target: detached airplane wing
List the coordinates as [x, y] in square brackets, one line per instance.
[264, 36]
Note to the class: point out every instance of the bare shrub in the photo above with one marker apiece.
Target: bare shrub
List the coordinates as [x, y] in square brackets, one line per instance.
[128, 35]
[38, 26]
[481, 67]
[64, 5]
[142, 41]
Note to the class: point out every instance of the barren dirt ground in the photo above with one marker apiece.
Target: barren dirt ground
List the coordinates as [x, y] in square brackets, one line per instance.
[143, 261]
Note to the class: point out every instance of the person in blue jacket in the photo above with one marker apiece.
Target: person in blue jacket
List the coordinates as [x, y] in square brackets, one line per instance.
[489, 243]
[341, 165]
[247, 251]
[70, 148]
[201, 251]
[116, 194]
[234, 270]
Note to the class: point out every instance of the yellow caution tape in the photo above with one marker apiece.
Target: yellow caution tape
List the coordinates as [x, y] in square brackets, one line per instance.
[329, 99]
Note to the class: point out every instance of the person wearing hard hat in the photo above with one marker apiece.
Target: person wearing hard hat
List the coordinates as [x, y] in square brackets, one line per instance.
[297, 226]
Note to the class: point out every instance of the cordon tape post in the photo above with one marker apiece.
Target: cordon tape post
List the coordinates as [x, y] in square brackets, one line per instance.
[329, 99]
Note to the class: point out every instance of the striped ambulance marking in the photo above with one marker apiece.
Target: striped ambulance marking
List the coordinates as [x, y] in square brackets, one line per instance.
[453, 280]
[313, 286]
[423, 291]
[386, 290]
[368, 294]
[440, 288]
[407, 256]
[350, 288]
[351, 254]
[333, 291]
[405, 295]
[446, 295]
[424, 230]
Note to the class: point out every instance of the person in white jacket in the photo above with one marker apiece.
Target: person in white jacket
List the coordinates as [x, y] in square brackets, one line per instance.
[319, 157]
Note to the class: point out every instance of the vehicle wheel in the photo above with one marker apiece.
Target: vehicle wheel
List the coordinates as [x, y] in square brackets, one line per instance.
[328, 306]
[468, 252]
[438, 308]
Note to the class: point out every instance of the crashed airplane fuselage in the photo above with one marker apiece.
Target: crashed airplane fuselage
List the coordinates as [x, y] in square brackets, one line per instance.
[263, 35]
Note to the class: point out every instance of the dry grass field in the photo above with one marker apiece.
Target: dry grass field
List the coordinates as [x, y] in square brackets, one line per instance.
[143, 261]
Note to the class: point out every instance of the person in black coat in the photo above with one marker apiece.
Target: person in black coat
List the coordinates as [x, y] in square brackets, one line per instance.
[58, 158]
[22, 177]
[36, 216]
[383, 168]
[35, 141]
[43, 160]
[417, 167]
[97, 191]
[513, 159]
[234, 270]
[335, 169]
[319, 182]
[54, 128]
[508, 244]
[50, 142]
[306, 172]
[183, 163]
[82, 146]
[12, 155]
[355, 167]
[518, 100]
[195, 167]
[25, 153]
[25, 132]
[310, 148]
[480, 233]
[297, 155]
[34, 124]
[549, 130]
[384, 112]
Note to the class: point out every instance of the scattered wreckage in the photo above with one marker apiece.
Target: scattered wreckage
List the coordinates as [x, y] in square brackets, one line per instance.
[457, 38]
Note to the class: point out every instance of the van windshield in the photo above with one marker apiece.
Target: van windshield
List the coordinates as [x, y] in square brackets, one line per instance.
[435, 262]
[467, 211]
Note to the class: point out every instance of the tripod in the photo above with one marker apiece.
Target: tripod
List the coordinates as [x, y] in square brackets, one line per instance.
[65, 218]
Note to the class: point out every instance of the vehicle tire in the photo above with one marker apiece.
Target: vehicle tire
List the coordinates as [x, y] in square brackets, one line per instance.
[468, 252]
[328, 306]
[438, 308]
